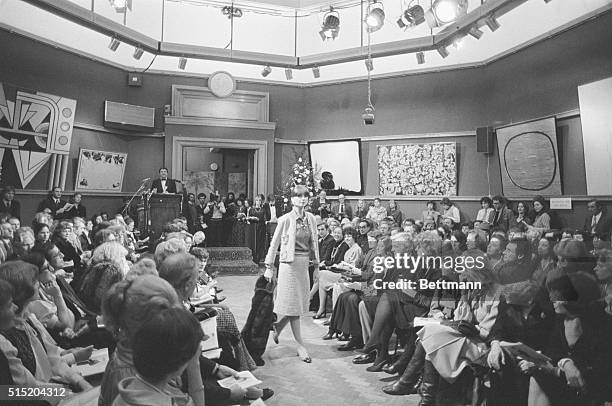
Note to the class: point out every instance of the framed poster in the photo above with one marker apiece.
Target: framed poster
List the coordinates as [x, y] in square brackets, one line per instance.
[418, 169]
[100, 171]
[529, 159]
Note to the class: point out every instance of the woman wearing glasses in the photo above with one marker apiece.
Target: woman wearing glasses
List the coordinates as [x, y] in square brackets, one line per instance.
[296, 235]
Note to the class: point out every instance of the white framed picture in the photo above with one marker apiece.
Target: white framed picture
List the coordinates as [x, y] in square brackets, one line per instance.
[100, 171]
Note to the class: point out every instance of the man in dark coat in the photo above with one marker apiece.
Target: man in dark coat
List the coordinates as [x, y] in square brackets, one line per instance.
[597, 222]
[163, 184]
[8, 204]
[54, 204]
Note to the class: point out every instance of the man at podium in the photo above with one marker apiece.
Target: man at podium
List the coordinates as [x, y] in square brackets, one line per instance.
[163, 184]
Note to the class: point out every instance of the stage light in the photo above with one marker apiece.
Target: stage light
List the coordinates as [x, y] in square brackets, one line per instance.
[411, 17]
[182, 63]
[369, 64]
[443, 51]
[547, 1]
[231, 12]
[288, 73]
[138, 51]
[375, 17]
[420, 56]
[475, 32]
[114, 44]
[492, 23]
[443, 12]
[266, 71]
[121, 6]
[331, 25]
[316, 72]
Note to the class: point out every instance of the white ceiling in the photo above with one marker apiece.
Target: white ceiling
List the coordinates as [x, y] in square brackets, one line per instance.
[273, 29]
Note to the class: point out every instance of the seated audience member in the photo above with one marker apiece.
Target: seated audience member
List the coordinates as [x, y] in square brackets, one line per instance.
[361, 210]
[8, 203]
[578, 374]
[395, 212]
[597, 222]
[345, 317]
[112, 252]
[15, 222]
[82, 234]
[495, 253]
[450, 211]
[23, 242]
[54, 204]
[518, 262]
[501, 217]
[76, 207]
[326, 242]
[42, 218]
[364, 228]
[342, 209]
[484, 213]
[167, 248]
[64, 239]
[377, 212]
[321, 206]
[523, 219]
[158, 363]
[445, 350]
[103, 235]
[397, 308]
[352, 257]
[42, 234]
[465, 228]
[33, 357]
[572, 257]
[430, 213]
[126, 307]
[339, 248]
[97, 281]
[541, 221]
[6, 241]
[144, 266]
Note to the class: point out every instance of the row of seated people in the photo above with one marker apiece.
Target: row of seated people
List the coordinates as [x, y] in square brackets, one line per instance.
[58, 310]
[546, 290]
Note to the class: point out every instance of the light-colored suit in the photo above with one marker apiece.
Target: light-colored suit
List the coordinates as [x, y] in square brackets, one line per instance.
[284, 236]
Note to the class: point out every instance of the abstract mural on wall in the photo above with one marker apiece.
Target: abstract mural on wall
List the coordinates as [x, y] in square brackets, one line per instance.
[35, 126]
[100, 171]
[418, 169]
[529, 159]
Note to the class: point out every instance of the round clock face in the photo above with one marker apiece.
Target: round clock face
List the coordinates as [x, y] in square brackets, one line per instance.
[222, 84]
[214, 166]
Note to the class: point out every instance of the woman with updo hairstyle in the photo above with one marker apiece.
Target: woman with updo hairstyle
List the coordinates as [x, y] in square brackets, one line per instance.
[126, 307]
[296, 235]
[99, 278]
[170, 247]
[102, 236]
[111, 252]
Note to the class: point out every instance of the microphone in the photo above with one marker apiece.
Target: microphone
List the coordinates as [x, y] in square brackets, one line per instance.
[145, 180]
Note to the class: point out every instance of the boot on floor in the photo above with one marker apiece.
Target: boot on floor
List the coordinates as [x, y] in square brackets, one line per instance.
[406, 384]
[429, 387]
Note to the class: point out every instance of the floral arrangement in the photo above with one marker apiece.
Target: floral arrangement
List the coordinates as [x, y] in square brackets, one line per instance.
[301, 174]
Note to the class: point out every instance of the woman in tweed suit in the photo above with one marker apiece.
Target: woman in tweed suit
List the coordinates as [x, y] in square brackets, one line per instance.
[296, 235]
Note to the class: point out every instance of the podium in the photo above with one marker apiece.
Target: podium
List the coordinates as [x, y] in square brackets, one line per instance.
[156, 210]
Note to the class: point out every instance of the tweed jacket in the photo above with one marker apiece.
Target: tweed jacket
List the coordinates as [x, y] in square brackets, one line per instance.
[284, 237]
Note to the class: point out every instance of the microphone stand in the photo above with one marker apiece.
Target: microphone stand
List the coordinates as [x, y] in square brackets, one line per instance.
[140, 189]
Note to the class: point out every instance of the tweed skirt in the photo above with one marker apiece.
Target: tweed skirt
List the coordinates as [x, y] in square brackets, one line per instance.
[293, 287]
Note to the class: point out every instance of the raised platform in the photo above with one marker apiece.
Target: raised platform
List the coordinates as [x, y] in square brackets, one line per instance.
[232, 261]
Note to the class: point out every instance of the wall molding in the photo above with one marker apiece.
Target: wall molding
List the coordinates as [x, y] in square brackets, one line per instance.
[217, 122]
[99, 128]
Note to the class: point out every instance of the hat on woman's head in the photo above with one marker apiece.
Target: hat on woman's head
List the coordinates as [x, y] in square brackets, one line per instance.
[570, 249]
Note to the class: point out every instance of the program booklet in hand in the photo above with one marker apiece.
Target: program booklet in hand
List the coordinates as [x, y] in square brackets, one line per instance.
[245, 380]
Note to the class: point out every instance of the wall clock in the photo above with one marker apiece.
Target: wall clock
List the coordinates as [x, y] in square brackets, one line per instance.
[221, 84]
[214, 166]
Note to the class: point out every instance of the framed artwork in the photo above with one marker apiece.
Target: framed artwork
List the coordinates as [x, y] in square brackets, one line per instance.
[529, 159]
[100, 171]
[418, 169]
[336, 166]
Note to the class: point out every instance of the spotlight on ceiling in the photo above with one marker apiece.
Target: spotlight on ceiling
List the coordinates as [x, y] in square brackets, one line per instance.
[443, 12]
[231, 12]
[138, 51]
[182, 63]
[114, 44]
[331, 25]
[316, 72]
[492, 23]
[411, 17]
[375, 17]
[288, 73]
[547, 1]
[420, 56]
[475, 32]
[266, 71]
[443, 51]
[369, 64]
[121, 6]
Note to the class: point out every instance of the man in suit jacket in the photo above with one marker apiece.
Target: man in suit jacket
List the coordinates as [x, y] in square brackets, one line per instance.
[54, 204]
[342, 209]
[501, 217]
[321, 206]
[77, 209]
[326, 241]
[163, 184]
[8, 204]
[597, 223]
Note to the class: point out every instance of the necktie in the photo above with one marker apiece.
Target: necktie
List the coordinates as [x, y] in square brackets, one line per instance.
[593, 224]
[342, 208]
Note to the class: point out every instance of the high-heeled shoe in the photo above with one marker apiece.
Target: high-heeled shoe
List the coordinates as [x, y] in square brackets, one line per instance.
[274, 333]
[306, 358]
[377, 366]
[328, 336]
[319, 316]
[365, 358]
[343, 337]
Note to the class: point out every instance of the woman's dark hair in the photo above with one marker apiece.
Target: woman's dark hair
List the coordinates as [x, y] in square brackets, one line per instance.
[199, 252]
[6, 189]
[101, 236]
[526, 205]
[165, 342]
[461, 239]
[433, 204]
[38, 228]
[350, 231]
[487, 200]
[6, 292]
[97, 280]
[446, 201]
[540, 200]
[22, 276]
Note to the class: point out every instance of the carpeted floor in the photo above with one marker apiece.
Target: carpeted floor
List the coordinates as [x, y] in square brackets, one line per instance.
[331, 378]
